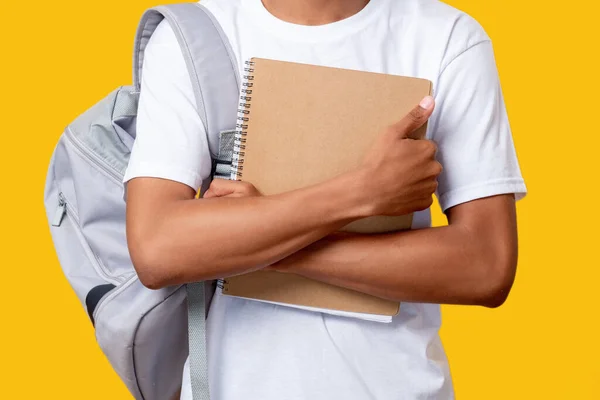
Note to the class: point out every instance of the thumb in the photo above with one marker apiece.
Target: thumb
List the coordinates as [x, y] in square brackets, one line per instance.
[415, 119]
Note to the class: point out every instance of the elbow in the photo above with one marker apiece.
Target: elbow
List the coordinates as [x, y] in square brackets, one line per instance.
[151, 279]
[148, 264]
[496, 296]
[496, 281]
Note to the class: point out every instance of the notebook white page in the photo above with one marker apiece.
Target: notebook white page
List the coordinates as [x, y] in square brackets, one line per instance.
[348, 314]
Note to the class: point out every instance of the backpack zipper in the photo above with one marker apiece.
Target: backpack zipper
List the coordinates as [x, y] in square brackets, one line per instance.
[64, 209]
[61, 210]
[90, 155]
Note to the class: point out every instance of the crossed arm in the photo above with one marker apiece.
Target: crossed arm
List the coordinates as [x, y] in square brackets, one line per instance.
[174, 238]
[470, 261]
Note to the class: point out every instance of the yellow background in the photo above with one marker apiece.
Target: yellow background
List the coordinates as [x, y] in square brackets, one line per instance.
[59, 57]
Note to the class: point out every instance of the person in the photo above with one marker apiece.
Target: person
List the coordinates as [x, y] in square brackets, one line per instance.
[265, 351]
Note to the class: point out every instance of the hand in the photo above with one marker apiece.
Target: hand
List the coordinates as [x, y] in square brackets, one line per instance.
[226, 188]
[400, 173]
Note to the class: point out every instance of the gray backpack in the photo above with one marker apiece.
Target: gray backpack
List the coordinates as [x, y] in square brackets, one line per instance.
[143, 333]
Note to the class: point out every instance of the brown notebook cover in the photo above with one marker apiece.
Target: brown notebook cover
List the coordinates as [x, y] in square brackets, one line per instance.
[303, 124]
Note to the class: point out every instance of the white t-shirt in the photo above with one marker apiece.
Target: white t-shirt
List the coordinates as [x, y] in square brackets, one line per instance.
[259, 351]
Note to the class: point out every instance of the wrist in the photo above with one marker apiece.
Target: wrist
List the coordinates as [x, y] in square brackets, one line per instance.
[333, 203]
[355, 200]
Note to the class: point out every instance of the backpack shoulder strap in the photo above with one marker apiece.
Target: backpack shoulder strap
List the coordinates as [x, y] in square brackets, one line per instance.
[215, 79]
[209, 58]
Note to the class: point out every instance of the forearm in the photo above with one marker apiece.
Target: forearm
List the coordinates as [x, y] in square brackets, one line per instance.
[174, 238]
[436, 265]
[196, 239]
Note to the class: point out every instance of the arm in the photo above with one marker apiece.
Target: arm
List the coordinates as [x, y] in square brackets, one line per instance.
[470, 261]
[174, 238]
[473, 259]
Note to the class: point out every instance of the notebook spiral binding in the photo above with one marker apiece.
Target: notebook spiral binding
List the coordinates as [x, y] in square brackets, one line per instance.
[243, 116]
[221, 284]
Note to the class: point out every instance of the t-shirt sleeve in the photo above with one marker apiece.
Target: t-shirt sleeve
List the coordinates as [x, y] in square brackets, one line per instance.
[171, 140]
[471, 128]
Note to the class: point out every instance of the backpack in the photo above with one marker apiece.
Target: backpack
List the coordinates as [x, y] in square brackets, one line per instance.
[143, 333]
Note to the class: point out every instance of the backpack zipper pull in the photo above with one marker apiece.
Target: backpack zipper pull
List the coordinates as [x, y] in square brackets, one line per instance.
[60, 212]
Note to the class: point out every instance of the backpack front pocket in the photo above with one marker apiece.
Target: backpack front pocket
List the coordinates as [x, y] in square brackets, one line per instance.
[81, 266]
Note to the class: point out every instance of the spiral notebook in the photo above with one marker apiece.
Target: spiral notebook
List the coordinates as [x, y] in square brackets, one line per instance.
[302, 124]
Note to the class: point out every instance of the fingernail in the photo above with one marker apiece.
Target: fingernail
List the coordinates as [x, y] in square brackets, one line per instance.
[426, 103]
